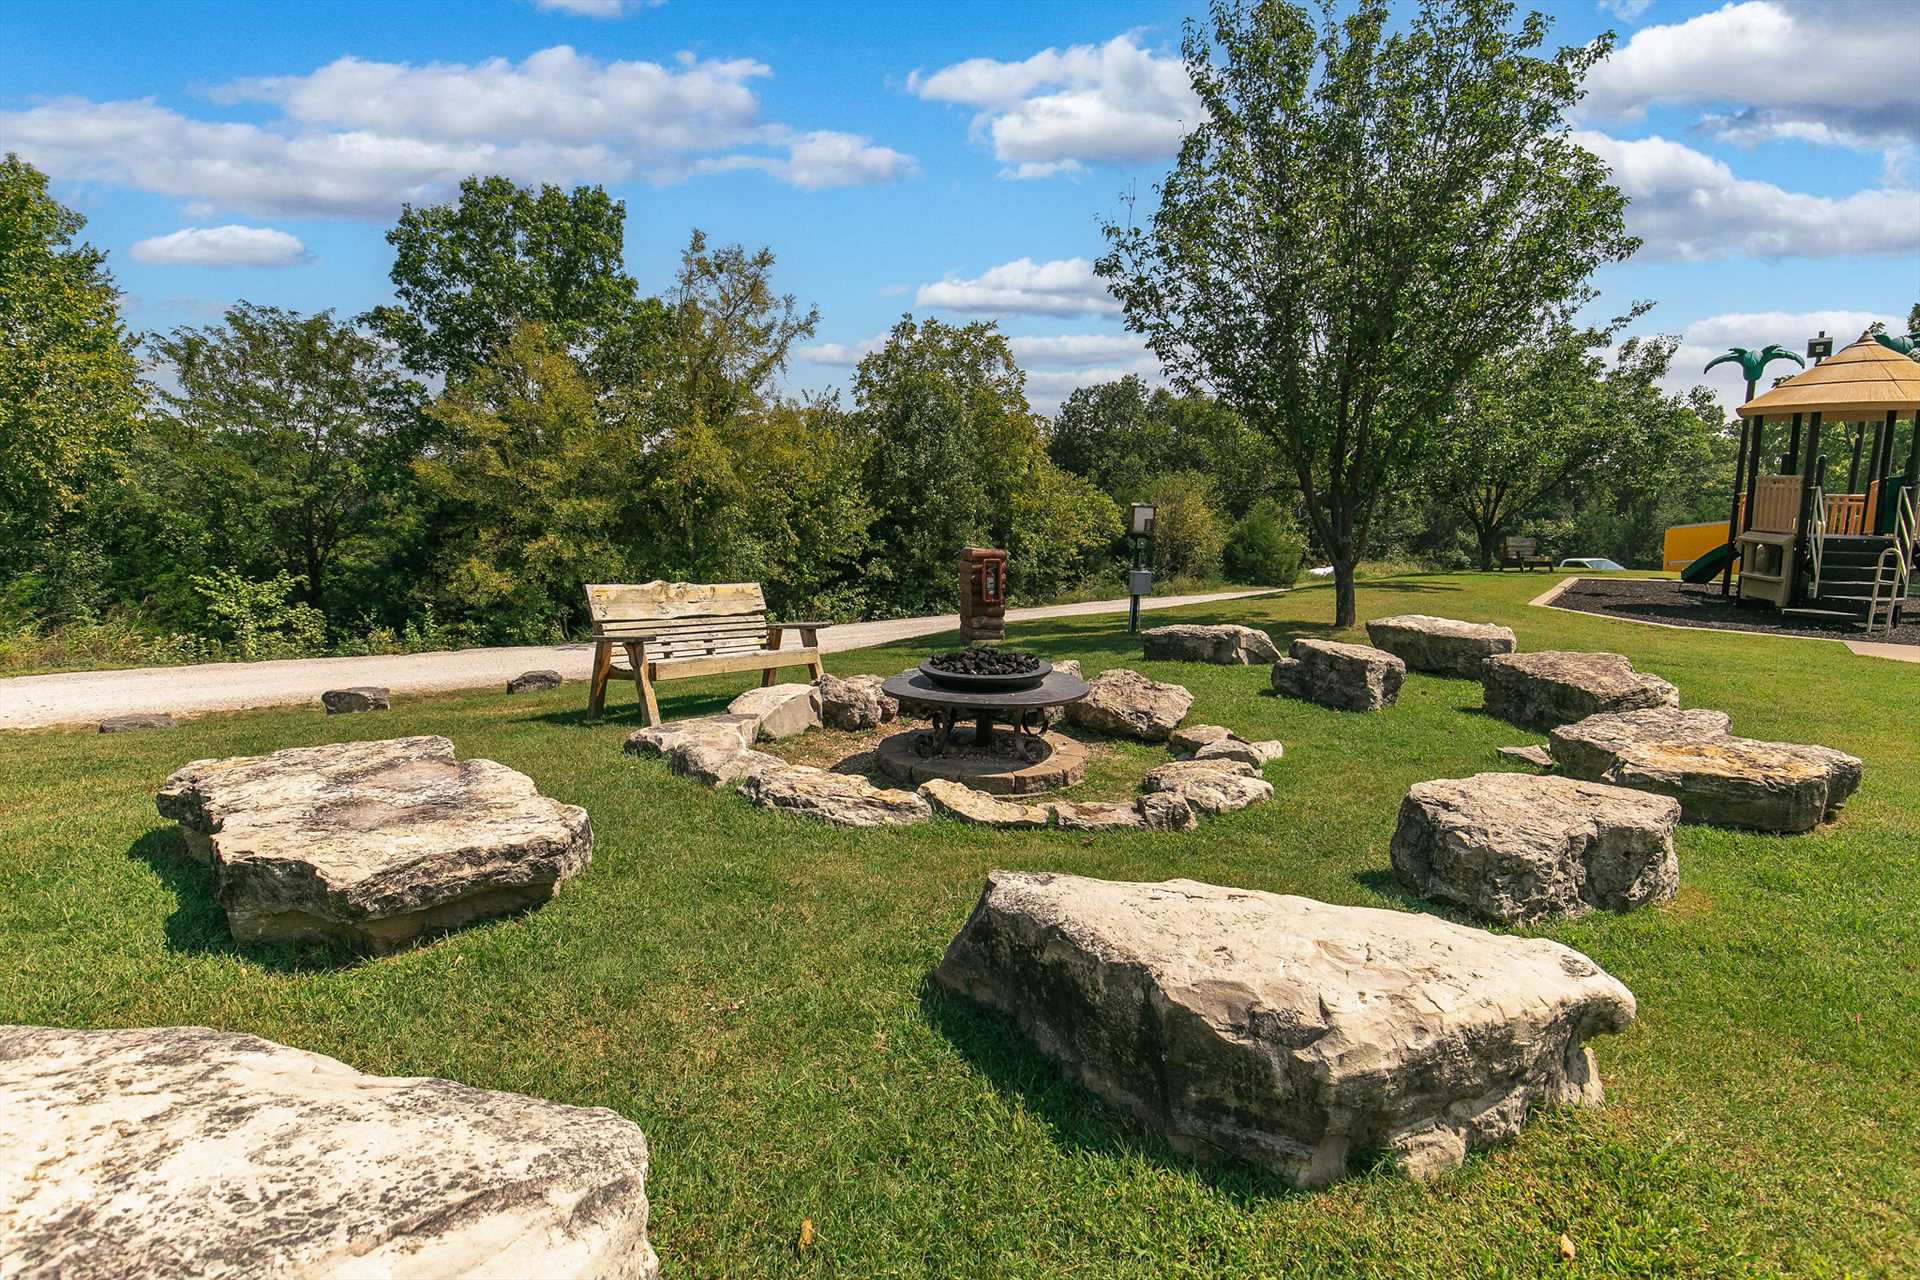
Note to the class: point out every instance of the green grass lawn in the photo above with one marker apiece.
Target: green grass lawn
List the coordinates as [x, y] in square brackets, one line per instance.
[753, 989]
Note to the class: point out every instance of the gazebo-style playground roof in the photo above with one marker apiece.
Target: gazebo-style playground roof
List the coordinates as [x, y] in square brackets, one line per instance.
[1863, 380]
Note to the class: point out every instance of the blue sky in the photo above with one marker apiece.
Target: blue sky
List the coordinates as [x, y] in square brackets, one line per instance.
[950, 159]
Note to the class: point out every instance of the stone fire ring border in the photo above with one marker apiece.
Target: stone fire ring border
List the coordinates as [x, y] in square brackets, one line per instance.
[1065, 766]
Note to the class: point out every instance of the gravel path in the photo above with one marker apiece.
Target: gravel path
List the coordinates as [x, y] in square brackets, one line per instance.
[82, 697]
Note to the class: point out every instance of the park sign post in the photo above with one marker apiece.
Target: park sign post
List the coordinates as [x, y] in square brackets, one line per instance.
[1140, 578]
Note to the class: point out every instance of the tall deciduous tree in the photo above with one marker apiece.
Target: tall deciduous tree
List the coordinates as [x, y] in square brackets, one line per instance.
[285, 431]
[1361, 215]
[68, 374]
[466, 274]
[730, 333]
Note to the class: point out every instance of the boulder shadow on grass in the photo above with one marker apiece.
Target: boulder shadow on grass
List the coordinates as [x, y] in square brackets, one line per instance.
[1079, 1119]
[198, 924]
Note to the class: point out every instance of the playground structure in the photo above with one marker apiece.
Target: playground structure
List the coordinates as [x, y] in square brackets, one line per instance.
[1801, 548]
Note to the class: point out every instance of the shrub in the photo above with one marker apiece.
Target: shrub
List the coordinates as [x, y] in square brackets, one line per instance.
[1265, 547]
[1187, 532]
[257, 619]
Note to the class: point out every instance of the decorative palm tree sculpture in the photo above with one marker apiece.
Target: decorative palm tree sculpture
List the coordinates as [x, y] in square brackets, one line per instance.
[1906, 346]
[1754, 363]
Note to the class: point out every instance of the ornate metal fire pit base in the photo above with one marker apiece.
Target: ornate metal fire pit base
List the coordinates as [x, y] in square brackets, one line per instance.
[1015, 764]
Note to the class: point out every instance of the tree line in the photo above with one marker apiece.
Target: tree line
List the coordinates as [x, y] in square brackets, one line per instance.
[1360, 278]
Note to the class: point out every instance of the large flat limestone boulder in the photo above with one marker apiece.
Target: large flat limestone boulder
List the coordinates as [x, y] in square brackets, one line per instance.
[180, 1151]
[781, 710]
[1283, 1031]
[1516, 847]
[1227, 644]
[1125, 704]
[1590, 748]
[714, 750]
[1346, 677]
[838, 798]
[1555, 687]
[1210, 786]
[1741, 782]
[372, 843]
[1444, 646]
[958, 800]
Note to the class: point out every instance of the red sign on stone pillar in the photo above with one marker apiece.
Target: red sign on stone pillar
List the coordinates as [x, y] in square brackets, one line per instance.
[983, 594]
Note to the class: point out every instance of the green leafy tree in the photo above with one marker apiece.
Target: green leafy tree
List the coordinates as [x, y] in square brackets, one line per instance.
[1526, 425]
[540, 499]
[730, 334]
[1360, 216]
[1265, 547]
[286, 434]
[954, 457]
[1188, 535]
[69, 390]
[466, 274]
[1124, 438]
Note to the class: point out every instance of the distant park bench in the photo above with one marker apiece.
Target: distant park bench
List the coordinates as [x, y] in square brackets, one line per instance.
[1523, 553]
[677, 630]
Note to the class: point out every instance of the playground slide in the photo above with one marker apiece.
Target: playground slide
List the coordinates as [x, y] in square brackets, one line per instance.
[1709, 566]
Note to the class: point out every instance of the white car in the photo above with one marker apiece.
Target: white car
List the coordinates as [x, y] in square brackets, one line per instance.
[1591, 562]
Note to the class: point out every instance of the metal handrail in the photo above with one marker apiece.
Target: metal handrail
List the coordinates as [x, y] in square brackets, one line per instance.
[1819, 536]
[1898, 558]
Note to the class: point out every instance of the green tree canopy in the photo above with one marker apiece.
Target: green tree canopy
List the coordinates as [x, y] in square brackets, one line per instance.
[466, 274]
[1363, 213]
[68, 373]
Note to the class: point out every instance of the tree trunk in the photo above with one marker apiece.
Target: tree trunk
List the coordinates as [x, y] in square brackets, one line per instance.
[1343, 606]
[1489, 547]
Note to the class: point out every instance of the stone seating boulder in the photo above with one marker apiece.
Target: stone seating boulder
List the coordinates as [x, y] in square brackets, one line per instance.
[1225, 643]
[1346, 677]
[1210, 786]
[1443, 646]
[534, 682]
[1286, 1032]
[366, 697]
[372, 843]
[1156, 811]
[842, 799]
[782, 710]
[1740, 782]
[1555, 687]
[1214, 742]
[708, 749]
[854, 703]
[1589, 748]
[1516, 847]
[958, 800]
[181, 1151]
[1122, 703]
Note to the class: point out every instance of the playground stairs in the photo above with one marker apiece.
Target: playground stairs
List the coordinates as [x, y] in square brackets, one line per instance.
[1848, 564]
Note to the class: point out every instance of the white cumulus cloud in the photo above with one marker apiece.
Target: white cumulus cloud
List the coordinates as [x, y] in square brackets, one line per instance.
[1060, 287]
[596, 8]
[1055, 364]
[1688, 205]
[228, 246]
[1840, 72]
[1062, 110]
[357, 138]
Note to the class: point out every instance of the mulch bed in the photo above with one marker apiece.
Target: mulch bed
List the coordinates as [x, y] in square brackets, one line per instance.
[1682, 604]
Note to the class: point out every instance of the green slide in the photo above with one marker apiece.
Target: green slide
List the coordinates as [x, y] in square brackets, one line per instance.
[1709, 566]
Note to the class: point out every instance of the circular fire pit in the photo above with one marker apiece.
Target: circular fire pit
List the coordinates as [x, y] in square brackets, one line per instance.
[1023, 759]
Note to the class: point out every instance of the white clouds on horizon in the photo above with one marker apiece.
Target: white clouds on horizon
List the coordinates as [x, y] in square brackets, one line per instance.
[1055, 364]
[1704, 339]
[1061, 287]
[228, 246]
[359, 138]
[1061, 111]
[1688, 205]
[602, 9]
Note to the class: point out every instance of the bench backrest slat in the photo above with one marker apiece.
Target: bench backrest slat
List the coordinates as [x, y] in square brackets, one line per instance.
[682, 619]
[1522, 547]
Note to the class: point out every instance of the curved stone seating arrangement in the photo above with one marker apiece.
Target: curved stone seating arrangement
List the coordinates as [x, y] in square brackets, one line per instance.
[1122, 703]
[372, 843]
[1516, 847]
[1225, 644]
[1290, 1033]
[180, 1151]
[1346, 677]
[1554, 687]
[1443, 646]
[1718, 778]
[839, 798]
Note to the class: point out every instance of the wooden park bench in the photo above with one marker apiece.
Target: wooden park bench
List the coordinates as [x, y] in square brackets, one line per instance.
[1523, 553]
[677, 630]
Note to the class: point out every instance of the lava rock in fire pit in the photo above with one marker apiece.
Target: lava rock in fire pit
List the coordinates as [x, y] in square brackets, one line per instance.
[981, 661]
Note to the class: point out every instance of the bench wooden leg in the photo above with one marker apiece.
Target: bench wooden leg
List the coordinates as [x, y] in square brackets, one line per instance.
[643, 680]
[602, 670]
[815, 669]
